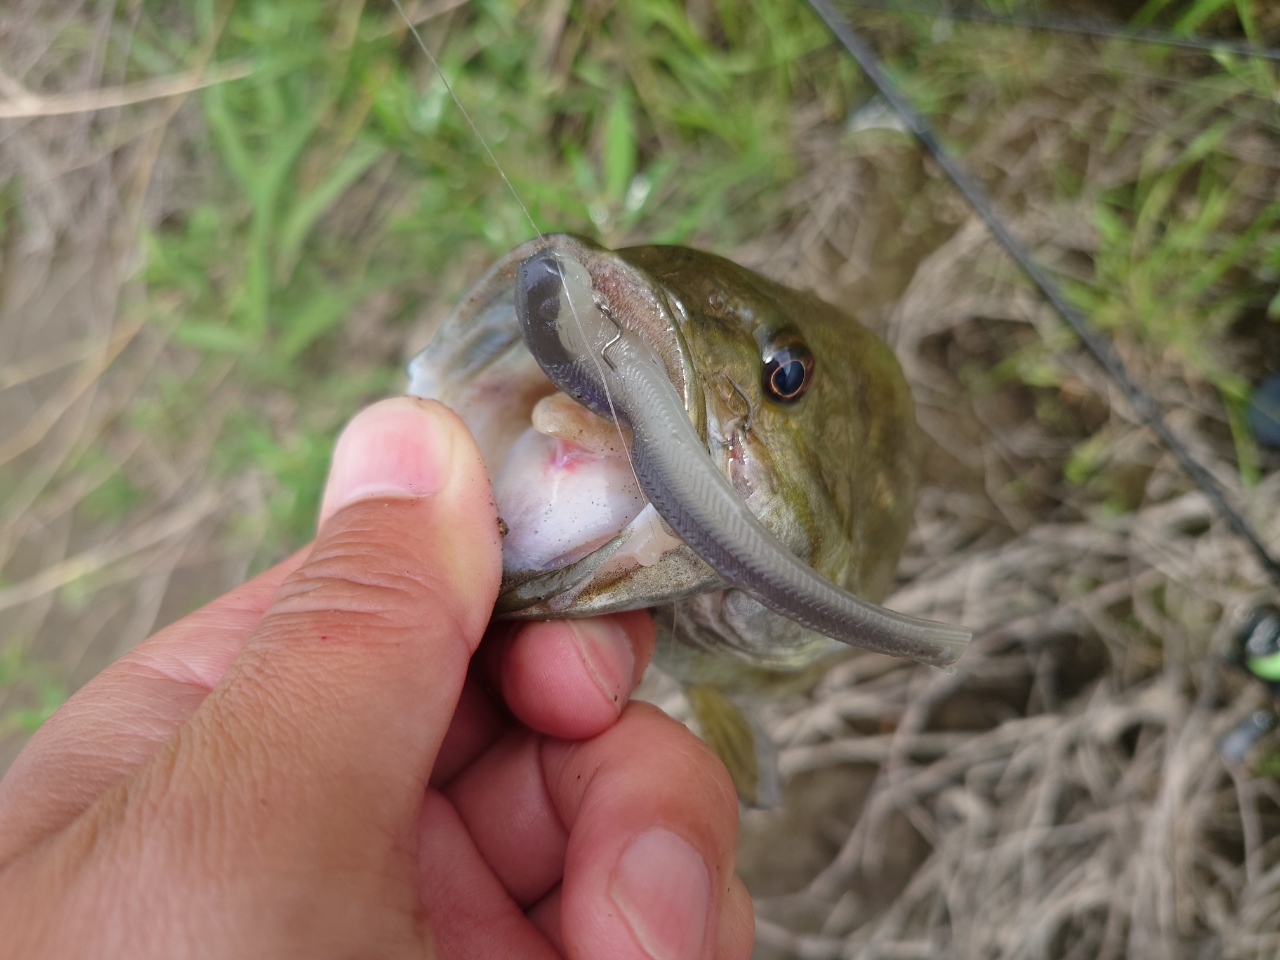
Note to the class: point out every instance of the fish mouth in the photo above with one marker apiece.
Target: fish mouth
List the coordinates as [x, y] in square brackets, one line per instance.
[678, 525]
[581, 536]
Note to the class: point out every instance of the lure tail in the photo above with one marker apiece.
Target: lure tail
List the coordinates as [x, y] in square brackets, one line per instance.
[740, 741]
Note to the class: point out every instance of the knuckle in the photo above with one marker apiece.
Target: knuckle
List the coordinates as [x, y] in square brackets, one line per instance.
[355, 586]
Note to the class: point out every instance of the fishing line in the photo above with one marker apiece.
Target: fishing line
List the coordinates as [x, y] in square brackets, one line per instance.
[1087, 26]
[467, 116]
[1096, 343]
[573, 310]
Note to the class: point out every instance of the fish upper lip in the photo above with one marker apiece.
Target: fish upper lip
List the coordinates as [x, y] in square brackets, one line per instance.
[641, 303]
[646, 306]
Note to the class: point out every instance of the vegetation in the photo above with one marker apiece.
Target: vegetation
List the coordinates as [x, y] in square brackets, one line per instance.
[274, 246]
[345, 175]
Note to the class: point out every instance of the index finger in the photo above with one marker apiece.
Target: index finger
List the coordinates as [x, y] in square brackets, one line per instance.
[568, 679]
[641, 823]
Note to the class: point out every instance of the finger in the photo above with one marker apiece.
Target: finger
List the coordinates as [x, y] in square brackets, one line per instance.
[652, 818]
[503, 800]
[545, 915]
[117, 721]
[571, 679]
[478, 721]
[564, 679]
[736, 935]
[353, 673]
[737, 922]
[470, 913]
[646, 780]
[304, 770]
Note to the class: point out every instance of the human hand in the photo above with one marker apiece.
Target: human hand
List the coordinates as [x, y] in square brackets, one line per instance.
[316, 765]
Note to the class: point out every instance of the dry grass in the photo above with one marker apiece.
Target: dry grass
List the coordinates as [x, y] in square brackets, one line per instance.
[74, 356]
[1061, 794]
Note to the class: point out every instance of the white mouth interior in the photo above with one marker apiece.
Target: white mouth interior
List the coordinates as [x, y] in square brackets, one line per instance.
[561, 476]
[565, 488]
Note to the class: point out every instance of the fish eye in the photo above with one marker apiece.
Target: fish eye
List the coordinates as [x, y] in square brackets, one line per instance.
[787, 368]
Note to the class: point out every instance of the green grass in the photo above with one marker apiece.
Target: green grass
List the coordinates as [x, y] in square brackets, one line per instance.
[339, 180]
[343, 171]
[641, 128]
[44, 692]
[1188, 239]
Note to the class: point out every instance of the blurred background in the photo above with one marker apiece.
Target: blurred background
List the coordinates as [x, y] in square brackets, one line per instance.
[224, 227]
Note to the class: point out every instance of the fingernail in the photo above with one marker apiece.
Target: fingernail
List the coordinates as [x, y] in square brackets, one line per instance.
[606, 648]
[663, 889]
[397, 448]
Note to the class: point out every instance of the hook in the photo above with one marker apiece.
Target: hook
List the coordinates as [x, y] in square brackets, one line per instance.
[604, 351]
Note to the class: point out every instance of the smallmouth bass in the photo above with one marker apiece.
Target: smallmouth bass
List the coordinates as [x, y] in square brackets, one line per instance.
[667, 429]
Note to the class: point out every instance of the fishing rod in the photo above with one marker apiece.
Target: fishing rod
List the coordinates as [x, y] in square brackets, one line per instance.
[1096, 343]
[1087, 26]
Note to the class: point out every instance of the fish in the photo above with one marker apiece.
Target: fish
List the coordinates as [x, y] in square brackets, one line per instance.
[667, 429]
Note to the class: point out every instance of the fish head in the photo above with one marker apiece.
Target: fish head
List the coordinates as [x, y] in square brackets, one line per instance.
[807, 413]
[803, 410]
[580, 538]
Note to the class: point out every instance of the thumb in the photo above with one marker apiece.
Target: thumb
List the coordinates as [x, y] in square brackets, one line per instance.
[358, 663]
[319, 740]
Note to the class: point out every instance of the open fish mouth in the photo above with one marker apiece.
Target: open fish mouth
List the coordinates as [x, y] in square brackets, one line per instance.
[619, 394]
[581, 537]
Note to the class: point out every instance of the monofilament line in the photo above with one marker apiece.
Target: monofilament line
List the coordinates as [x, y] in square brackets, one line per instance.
[528, 216]
[466, 115]
[1097, 344]
[604, 380]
